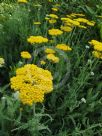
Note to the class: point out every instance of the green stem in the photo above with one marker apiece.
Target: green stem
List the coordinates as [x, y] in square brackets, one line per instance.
[34, 109]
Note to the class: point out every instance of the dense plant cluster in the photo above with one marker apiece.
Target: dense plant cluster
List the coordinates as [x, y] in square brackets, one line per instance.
[50, 68]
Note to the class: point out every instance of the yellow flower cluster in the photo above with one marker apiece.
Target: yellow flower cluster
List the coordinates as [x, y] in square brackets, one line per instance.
[66, 28]
[2, 62]
[32, 83]
[49, 50]
[55, 32]
[55, 9]
[52, 21]
[97, 54]
[75, 15]
[36, 23]
[22, 1]
[52, 58]
[97, 46]
[37, 39]
[73, 20]
[42, 62]
[63, 47]
[25, 55]
[53, 16]
[83, 20]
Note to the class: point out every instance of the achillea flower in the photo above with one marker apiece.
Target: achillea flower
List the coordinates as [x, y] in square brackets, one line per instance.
[22, 1]
[72, 22]
[2, 62]
[97, 54]
[52, 58]
[94, 42]
[52, 21]
[55, 32]
[82, 26]
[37, 39]
[53, 16]
[96, 45]
[55, 9]
[66, 28]
[46, 18]
[49, 51]
[25, 55]
[64, 18]
[42, 62]
[91, 23]
[81, 20]
[63, 47]
[37, 23]
[32, 83]
[77, 14]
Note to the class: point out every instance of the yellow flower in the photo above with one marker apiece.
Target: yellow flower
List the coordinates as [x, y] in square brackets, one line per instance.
[63, 47]
[25, 55]
[97, 54]
[66, 28]
[32, 83]
[36, 23]
[42, 62]
[49, 50]
[96, 45]
[37, 39]
[90, 23]
[82, 26]
[55, 32]
[94, 42]
[53, 16]
[72, 22]
[22, 1]
[2, 62]
[64, 18]
[52, 21]
[77, 14]
[52, 58]
[46, 18]
[81, 20]
[55, 9]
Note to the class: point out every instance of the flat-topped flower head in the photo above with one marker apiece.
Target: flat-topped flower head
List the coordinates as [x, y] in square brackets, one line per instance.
[52, 21]
[55, 32]
[49, 51]
[66, 28]
[53, 16]
[32, 82]
[25, 55]
[22, 1]
[55, 9]
[37, 23]
[52, 58]
[97, 54]
[96, 45]
[37, 39]
[63, 47]
[42, 62]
